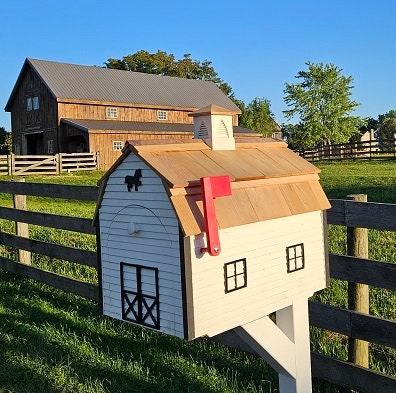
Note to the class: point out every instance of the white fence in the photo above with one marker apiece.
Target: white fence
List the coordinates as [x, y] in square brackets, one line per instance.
[13, 164]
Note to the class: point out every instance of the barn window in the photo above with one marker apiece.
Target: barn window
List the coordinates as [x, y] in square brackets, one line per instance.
[235, 276]
[295, 258]
[112, 113]
[162, 115]
[29, 104]
[117, 145]
[36, 103]
[50, 146]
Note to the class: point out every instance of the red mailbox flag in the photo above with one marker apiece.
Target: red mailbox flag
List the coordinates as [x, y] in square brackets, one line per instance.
[213, 187]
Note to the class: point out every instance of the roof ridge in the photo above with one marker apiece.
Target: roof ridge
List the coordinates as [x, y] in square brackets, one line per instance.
[97, 67]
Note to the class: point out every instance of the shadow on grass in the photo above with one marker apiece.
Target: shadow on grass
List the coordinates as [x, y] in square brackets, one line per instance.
[42, 330]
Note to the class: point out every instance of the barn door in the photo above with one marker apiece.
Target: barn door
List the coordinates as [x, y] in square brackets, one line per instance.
[139, 294]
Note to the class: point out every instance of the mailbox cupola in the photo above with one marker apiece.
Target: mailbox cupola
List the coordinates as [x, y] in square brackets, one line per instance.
[213, 124]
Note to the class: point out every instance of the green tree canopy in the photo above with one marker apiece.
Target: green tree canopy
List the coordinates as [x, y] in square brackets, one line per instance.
[387, 125]
[322, 103]
[257, 116]
[163, 63]
[5, 141]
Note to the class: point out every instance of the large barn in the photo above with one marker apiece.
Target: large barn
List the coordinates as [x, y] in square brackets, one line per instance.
[67, 108]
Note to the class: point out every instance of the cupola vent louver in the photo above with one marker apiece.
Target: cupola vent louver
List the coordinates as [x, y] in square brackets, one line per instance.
[203, 131]
[222, 130]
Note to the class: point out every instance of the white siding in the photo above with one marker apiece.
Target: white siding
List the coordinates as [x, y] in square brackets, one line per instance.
[156, 245]
[269, 286]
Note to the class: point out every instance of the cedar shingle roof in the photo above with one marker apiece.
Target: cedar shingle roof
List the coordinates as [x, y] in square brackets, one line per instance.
[88, 83]
[137, 126]
[268, 180]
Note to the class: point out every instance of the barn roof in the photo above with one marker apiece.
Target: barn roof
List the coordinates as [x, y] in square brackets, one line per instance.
[268, 180]
[80, 83]
[131, 126]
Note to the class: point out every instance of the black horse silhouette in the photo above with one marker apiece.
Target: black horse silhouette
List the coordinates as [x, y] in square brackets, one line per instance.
[134, 180]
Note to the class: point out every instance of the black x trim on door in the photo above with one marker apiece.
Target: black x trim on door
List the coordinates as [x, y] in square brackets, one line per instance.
[137, 306]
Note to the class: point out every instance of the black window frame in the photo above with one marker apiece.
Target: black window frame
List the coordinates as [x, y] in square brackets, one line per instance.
[235, 275]
[295, 258]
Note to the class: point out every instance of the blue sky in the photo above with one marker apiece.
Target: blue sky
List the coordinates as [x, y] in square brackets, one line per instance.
[255, 45]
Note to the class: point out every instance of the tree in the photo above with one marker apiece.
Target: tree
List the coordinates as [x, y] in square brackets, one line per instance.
[257, 116]
[322, 102]
[163, 63]
[387, 126]
[5, 141]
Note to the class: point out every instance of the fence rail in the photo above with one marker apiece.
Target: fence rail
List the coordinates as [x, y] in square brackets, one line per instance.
[353, 324]
[48, 164]
[365, 150]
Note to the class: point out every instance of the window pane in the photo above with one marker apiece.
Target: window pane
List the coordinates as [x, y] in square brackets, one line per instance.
[29, 105]
[240, 280]
[36, 104]
[239, 267]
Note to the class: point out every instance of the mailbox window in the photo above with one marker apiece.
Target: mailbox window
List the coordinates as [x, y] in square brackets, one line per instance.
[235, 276]
[295, 258]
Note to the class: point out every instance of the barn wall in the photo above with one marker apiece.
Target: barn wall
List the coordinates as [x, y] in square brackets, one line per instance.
[156, 246]
[269, 286]
[98, 112]
[25, 122]
[102, 142]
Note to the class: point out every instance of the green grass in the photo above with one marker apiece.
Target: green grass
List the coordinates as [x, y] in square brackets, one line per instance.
[54, 342]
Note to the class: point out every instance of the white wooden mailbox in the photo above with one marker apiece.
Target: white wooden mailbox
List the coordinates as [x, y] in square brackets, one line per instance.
[202, 236]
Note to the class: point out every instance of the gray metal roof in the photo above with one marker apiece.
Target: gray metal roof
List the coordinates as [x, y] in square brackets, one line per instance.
[136, 126]
[103, 84]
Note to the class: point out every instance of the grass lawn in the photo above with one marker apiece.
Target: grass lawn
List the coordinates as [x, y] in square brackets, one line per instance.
[54, 342]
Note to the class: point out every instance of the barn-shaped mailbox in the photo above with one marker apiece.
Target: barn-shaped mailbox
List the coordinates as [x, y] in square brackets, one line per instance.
[206, 235]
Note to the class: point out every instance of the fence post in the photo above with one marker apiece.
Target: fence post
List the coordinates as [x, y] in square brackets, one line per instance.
[97, 160]
[57, 163]
[11, 164]
[358, 294]
[21, 228]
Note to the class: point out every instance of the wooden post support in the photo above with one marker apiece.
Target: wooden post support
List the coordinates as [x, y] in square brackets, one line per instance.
[285, 346]
[21, 228]
[358, 294]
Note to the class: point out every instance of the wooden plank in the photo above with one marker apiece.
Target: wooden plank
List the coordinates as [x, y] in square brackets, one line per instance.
[336, 215]
[351, 376]
[353, 324]
[363, 214]
[81, 193]
[34, 157]
[66, 284]
[75, 224]
[52, 250]
[366, 271]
